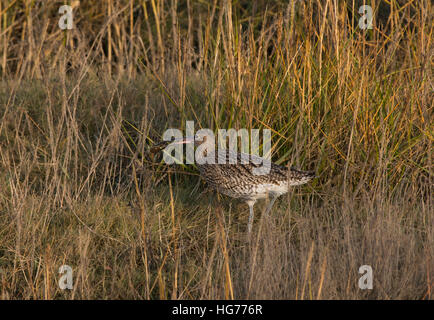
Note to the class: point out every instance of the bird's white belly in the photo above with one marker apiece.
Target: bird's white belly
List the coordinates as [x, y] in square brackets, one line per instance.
[262, 190]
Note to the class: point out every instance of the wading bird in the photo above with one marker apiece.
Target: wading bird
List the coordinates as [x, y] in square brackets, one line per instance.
[231, 174]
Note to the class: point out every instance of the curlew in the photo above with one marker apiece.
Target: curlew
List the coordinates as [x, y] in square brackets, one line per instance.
[230, 173]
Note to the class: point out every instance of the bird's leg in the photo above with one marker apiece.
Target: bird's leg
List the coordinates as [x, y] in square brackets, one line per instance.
[270, 205]
[251, 215]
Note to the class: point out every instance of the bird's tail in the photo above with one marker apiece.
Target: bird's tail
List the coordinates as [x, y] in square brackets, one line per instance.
[297, 177]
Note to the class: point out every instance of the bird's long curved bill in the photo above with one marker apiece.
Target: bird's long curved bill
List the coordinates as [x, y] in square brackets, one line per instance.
[161, 145]
[183, 140]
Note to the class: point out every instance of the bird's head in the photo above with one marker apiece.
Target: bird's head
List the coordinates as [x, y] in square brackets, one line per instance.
[198, 139]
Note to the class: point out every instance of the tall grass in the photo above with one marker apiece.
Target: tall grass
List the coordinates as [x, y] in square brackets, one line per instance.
[79, 109]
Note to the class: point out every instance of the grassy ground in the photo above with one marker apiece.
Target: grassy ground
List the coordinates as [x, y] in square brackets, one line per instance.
[80, 108]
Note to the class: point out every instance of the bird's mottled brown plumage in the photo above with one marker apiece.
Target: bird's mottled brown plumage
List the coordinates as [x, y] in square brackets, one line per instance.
[240, 181]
